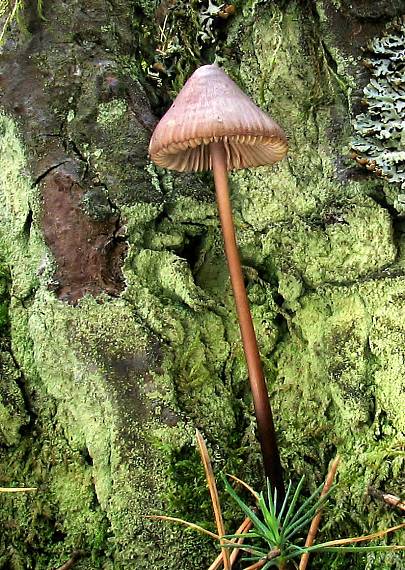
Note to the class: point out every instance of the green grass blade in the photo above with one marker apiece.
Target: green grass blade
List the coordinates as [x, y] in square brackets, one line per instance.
[40, 9]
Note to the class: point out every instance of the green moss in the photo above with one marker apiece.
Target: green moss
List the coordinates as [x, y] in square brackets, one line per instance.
[4, 284]
[62, 515]
[179, 37]
[118, 385]
[341, 378]
[12, 410]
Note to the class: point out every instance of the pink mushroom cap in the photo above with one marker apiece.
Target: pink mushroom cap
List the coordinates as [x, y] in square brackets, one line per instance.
[212, 108]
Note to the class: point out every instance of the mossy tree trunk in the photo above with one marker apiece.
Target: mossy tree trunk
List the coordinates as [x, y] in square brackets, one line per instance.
[118, 332]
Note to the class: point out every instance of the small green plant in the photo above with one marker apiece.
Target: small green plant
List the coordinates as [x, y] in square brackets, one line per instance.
[272, 534]
[277, 531]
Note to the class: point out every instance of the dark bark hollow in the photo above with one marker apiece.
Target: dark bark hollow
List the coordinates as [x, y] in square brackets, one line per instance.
[264, 417]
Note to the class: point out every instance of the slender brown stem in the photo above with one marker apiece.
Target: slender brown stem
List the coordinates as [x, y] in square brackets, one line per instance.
[265, 426]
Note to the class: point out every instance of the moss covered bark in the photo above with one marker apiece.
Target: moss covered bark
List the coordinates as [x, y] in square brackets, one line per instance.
[118, 330]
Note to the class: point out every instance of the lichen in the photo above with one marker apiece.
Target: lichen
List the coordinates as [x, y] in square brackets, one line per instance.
[378, 139]
[304, 227]
[109, 113]
[360, 235]
[118, 392]
[344, 346]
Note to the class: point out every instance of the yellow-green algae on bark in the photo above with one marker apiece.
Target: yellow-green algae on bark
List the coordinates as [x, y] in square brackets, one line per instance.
[107, 430]
[319, 252]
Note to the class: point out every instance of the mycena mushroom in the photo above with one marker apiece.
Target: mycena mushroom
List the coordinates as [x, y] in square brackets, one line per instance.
[213, 125]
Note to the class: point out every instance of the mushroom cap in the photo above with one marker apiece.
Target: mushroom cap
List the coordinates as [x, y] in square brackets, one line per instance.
[212, 108]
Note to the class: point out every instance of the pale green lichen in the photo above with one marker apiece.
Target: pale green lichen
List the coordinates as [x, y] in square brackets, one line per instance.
[345, 347]
[359, 235]
[16, 206]
[303, 229]
[379, 135]
[109, 113]
[98, 364]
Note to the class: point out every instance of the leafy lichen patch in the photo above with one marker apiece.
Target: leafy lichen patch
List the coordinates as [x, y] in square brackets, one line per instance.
[379, 135]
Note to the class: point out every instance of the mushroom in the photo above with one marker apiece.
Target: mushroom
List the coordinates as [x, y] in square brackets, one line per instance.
[213, 125]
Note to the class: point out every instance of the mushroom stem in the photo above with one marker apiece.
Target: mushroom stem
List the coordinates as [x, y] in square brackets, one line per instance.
[264, 418]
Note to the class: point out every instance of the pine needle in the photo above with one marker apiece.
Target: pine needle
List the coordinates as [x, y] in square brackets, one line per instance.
[214, 496]
[257, 565]
[186, 523]
[244, 527]
[248, 487]
[313, 529]
[373, 536]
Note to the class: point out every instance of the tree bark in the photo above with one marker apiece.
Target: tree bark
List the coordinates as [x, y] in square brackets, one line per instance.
[118, 332]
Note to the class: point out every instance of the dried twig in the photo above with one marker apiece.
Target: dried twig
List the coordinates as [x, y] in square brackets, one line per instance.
[244, 527]
[214, 496]
[313, 529]
[391, 500]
